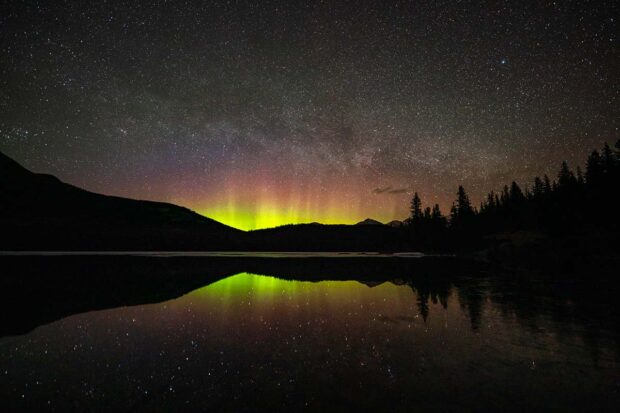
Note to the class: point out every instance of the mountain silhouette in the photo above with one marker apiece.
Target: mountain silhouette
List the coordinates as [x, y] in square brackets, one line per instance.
[39, 212]
[319, 237]
[369, 221]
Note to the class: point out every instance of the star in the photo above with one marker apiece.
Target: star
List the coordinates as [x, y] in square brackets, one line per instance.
[298, 112]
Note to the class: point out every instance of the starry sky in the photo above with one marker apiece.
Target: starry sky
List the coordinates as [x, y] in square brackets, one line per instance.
[261, 113]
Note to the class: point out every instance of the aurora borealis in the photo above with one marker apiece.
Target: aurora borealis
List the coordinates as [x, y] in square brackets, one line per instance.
[265, 113]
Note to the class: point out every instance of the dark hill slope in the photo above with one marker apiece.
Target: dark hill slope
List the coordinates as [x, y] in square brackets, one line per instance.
[317, 237]
[39, 212]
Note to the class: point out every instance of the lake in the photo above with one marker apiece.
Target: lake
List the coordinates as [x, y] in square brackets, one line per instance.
[315, 333]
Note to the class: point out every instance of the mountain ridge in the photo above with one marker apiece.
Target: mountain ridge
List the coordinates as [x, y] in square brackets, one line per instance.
[40, 212]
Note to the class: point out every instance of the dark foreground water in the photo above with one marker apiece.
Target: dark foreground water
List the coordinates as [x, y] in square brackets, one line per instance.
[468, 341]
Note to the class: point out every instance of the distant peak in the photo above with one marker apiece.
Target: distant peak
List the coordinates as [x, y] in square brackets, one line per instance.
[369, 221]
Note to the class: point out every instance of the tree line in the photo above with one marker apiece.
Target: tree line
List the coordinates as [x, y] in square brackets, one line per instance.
[572, 203]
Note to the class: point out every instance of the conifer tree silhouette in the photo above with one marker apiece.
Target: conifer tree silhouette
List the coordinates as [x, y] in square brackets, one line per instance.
[416, 208]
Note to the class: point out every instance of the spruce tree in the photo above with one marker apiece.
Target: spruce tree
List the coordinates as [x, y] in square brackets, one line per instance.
[593, 168]
[436, 213]
[427, 213]
[538, 188]
[436, 217]
[491, 201]
[416, 208]
[454, 214]
[463, 203]
[607, 159]
[547, 185]
[516, 195]
[505, 195]
[565, 177]
[463, 211]
[580, 179]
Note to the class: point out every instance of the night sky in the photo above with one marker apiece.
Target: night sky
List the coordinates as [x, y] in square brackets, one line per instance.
[271, 112]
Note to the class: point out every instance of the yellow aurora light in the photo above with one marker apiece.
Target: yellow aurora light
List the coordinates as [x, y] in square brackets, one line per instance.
[269, 216]
[255, 202]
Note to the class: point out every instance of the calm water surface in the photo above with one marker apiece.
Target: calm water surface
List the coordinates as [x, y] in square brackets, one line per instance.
[251, 342]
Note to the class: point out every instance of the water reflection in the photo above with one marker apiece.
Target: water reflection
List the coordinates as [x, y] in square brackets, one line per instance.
[250, 342]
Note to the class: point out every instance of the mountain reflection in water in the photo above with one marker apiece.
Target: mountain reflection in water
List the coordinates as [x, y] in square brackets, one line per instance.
[439, 335]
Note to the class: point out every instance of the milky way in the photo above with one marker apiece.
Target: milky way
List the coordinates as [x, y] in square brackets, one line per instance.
[264, 113]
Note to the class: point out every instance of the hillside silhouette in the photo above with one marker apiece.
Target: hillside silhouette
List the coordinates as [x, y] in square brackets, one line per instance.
[39, 212]
[569, 221]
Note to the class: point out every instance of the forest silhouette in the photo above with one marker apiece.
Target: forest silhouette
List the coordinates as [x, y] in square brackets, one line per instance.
[569, 220]
[574, 211]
